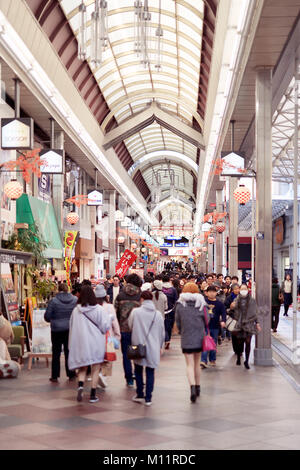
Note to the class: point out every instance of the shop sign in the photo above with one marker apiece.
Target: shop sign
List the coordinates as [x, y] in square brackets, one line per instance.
[15, 257]
[17, 133]
[95, 198]
[52, 161]
[84, 249]
[233, 164]
[178, 252]
[44, 184]
[125, 262]
[279, 231]
[126, 222]
[119, 216]
[9, 295]
[41, 333]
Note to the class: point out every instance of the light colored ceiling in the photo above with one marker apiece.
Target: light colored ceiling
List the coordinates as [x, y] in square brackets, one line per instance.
[128, 87]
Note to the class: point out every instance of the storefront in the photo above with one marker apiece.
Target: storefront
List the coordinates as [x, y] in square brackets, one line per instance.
[84, 255]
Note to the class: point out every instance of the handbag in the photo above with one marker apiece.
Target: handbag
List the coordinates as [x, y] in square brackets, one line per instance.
[208, 343]
[139, 351]
[110, 353]
[230, 323]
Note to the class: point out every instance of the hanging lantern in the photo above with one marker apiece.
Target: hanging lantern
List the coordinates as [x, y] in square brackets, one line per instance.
[121, 240]
[13, 189]
[144, 250]
[220, 227]
[211, 240]
[242, 194]
[72, 218]
[133, 246]
[204, 249]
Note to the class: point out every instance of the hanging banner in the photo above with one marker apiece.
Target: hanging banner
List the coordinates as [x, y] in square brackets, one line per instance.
[125, 262]
[70, 238]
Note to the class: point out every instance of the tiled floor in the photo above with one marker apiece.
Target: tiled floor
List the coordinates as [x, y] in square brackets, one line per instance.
[238, 409]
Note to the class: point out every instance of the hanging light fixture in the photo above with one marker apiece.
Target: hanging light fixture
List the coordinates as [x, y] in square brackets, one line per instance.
[211, 240]
[99, 32]
[121, 240]
[142, 33]
[13, 189]
[220, 227]
[72, 218]
[159, 41]
[242, 194]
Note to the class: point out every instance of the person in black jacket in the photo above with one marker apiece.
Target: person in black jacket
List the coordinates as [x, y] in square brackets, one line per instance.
[58, 314]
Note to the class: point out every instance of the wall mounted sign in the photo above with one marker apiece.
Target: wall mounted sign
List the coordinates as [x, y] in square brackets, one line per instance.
[17, 133]
[44, 184]
[279, 231]
[260, 235]
[53, 161]
[95, 198]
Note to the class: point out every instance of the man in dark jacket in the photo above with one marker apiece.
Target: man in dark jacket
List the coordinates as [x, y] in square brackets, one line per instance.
[58, 314]
[128, 299]
[172, 297]
[114, 289]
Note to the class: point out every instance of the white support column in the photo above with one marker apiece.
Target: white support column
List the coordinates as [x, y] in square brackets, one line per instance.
[233, 228]
[210, 251]
[112, 231]
[263, 144]
[296, 343]
[219, 236]
[58, 185]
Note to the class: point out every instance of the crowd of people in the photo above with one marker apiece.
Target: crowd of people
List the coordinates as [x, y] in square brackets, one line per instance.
[138, 314]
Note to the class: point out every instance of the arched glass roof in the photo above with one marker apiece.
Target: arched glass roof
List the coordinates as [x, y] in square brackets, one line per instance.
[129, 88]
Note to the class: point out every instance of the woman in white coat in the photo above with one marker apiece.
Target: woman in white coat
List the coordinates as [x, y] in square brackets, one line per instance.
[147, 327]
[89, 323]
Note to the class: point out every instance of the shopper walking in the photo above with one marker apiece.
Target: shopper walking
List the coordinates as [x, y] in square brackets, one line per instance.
[190, 321]
[58, 314]
[287, 289]
[172, 297]
[101, 296]
[229, 306]
[88, 326]
[114, 289]
[128, 299]
[245, 313]
[147, 326]
[159, 298]
[216, 317]
[277, 298]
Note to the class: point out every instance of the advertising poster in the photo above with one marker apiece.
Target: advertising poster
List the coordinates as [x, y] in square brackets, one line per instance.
[10, 297]
[41, 333]
[125, 262]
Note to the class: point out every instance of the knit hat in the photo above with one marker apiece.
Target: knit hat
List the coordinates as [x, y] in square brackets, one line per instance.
[158, 284]
[191, 287]
[146, 286]
[100, 291]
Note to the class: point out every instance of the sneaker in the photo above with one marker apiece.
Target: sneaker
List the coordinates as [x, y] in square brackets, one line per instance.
[89, 379]
[79, 393]
[148, 403]
[212, 363]
[204, 365]
[137, 399]
[94, 399]
[130, 384]
[55, 381]
[102, 380]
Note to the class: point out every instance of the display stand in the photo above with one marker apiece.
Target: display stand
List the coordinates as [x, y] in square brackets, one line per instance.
[41, 338]
[31, 356]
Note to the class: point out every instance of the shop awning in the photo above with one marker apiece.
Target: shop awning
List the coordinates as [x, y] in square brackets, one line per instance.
[31, 210]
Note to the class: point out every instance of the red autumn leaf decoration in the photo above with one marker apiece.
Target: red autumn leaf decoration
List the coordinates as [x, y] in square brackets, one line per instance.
[79, 200]
[27, 163]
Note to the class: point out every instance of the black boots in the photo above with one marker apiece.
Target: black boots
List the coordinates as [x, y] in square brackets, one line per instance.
[246, 365]
[195, 392]
[238, 361]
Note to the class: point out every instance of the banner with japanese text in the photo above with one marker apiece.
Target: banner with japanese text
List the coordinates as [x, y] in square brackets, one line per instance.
[70, 238]
[125, 262]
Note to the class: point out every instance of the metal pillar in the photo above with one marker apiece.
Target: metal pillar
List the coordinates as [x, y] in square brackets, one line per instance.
[210, 251]
[296, 347]
[233, 228]
[57, 142]
[112, 231]
[263, 144]
[219, 236]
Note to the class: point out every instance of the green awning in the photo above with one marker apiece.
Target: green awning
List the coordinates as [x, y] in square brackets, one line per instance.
[31, 210]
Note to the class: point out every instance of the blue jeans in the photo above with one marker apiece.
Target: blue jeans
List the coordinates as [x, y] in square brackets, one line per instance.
[127, 366]
[212, 354]
[169, 323]
[139, 381]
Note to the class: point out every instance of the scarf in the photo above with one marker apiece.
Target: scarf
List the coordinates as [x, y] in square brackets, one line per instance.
[197, 298]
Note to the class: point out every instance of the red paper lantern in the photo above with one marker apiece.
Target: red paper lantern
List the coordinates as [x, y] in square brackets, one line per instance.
[220, 227]
[211, 240]
[242, 194]
[13, 189]
[72, 218]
